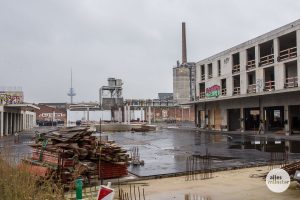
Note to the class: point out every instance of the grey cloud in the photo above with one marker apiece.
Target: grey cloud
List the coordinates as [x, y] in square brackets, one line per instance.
[136, 40]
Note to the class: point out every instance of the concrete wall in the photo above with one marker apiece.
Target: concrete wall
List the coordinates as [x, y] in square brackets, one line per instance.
[181, 84]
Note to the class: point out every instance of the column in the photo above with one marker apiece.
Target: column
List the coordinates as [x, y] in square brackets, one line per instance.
[279, 71]
[153, 114]
[257, 56]
[1, 123]
[262, 118]
[125, 114]
[22, 128]
[11, 124]
[175, 113]
[88, 115]
[149, 115]
[141, 114]
[119, 115]
[6, 124]
[24, 122]
[286, 120]
[19, 122]
[298, 53]
[181, 114]
[242, 120]
[129, 114]
[14, 123]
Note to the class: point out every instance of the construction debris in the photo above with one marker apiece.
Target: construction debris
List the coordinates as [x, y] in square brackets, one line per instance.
[292, 167]
[69, 153]
[135, 157]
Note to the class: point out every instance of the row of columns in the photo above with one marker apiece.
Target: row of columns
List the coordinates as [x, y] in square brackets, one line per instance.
[13, 122]
[146, 113]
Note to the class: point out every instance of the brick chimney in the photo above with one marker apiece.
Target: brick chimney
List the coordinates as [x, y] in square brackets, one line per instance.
[184, 58]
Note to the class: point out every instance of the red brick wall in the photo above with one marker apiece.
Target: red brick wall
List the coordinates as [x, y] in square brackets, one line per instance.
[171, 113]
[45, 113]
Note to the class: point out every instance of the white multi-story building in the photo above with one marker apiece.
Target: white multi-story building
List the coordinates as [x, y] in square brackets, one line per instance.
[252, 85]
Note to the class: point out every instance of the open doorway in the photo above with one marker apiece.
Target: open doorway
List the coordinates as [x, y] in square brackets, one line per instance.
[274, 118]
[252, 116]
[234, 116]
[295, 119]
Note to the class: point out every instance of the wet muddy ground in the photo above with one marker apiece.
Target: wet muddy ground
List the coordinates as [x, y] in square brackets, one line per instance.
[166, 151]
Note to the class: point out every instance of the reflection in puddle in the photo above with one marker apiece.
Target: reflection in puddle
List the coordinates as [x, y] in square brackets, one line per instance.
[196, 197]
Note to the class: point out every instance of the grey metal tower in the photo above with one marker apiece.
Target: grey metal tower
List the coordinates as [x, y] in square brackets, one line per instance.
[71, 92]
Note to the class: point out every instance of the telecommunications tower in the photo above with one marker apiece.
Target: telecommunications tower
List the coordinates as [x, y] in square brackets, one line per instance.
[71, 92]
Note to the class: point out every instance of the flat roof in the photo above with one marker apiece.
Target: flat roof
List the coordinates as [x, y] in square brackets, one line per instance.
[22, 105]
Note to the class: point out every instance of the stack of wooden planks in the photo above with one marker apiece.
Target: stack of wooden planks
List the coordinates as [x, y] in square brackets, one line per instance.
[72, 152]
[292, 167]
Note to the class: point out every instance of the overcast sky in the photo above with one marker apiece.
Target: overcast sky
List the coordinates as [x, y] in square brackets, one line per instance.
[138, 41]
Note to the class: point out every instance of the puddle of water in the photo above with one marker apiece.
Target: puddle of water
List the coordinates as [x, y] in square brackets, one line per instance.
[166, 151]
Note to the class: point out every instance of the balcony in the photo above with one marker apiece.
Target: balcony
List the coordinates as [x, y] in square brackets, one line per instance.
[202, 95]
[224, 92]
[202, 77]
[251, 89]
[236, 90]
[269, 86]
[291, 82]
[236, 69]
[267, 60]
[250, 65]
[287, 54]
[210, 76]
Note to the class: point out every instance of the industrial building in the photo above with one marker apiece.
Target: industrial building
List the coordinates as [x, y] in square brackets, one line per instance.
[252, 86]
[15, 115]
[184, 76]
[51, 114]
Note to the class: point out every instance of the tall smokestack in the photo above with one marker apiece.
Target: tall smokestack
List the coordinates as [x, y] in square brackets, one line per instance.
[184, 59]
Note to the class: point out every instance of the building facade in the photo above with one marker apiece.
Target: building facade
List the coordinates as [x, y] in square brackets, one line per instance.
[51, 114]
[15, 115]
[253, 85]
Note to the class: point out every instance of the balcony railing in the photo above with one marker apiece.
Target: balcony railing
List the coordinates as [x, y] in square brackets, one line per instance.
[203, 77]
[236, 90]
[236, 69]
[202, 95]
[210, 75]
[224, 92]
[291, 82]
[266, 60]
[269, 85]
[287, 54]
[251, 88]
[250, 64]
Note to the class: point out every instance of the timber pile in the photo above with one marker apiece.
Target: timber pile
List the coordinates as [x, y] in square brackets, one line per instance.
[68, 153]
[292, 168]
